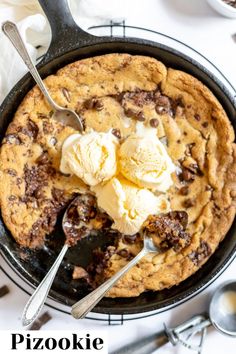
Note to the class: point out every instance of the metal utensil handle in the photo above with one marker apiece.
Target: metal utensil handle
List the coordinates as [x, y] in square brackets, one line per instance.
[11, 31]
[36, 301]
[82, 307]
[146, 345]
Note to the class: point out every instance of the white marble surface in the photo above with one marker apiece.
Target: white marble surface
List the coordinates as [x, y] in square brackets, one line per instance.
[195, 23]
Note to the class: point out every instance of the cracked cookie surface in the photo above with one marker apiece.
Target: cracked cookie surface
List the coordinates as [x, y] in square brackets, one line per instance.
[115, 92]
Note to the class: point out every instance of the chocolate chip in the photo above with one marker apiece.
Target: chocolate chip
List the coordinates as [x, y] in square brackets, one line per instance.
[178, 141]
[119, 97]
[98, 105]
[195, 169]
[168, 230]
[4, 290]
[130, 113]
[12, 198]
[197, 117]
[186, 175]
[31, 129]
[205, 124]
[161, 110]
[188, 203]
[140, 117]
[38, 193]
[116, 132]
[79, 273]
[94, 103]
[123, 253]
[66, 94]
[163, 105]
[130, 238]
[36, 177]
[42, 115]
[89, 104]
[11, 172]
[163, 101]
[43, 159]
[154, 122]
[184, 190]
[18, 181]
[42, 320]
[202, 252]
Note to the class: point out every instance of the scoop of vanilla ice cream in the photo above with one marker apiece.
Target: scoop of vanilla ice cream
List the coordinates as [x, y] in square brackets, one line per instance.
[91, 156]
[145, 161]
[127, 204]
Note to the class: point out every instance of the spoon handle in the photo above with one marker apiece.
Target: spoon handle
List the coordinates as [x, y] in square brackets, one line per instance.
[11, 31]
[36, 301]
[85, 305]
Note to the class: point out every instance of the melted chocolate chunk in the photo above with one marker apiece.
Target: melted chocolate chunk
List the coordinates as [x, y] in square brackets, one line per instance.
[169, 230]
[42, 320]
[36, 178]
[12, 139]
[4, 290]
[140, 98]
[163, 105]
[99, 263]
[89, 104]
[31, 129]
[82, 218]
[94, 103]
[202, 252]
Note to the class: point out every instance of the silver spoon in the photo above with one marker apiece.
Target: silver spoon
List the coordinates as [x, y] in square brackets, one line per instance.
[61, 114]
[219, 316]
[35, 303]
[85, 305]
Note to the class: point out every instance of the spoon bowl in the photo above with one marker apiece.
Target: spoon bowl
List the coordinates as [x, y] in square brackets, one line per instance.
[222, 311]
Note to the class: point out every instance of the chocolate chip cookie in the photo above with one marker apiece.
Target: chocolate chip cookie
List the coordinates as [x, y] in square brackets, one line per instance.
[119, 91]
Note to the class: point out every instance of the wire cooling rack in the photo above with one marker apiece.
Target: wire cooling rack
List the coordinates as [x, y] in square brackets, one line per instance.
[119, 28]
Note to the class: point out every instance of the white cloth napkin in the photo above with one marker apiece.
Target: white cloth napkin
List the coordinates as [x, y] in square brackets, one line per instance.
[34, 28]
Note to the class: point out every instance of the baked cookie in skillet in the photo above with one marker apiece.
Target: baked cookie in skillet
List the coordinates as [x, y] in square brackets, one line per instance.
[116, 91]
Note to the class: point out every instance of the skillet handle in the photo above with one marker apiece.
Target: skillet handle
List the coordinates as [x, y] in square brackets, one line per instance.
[66, 34]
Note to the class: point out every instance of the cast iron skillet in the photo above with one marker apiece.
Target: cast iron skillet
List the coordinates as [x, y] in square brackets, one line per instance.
[70, 43]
